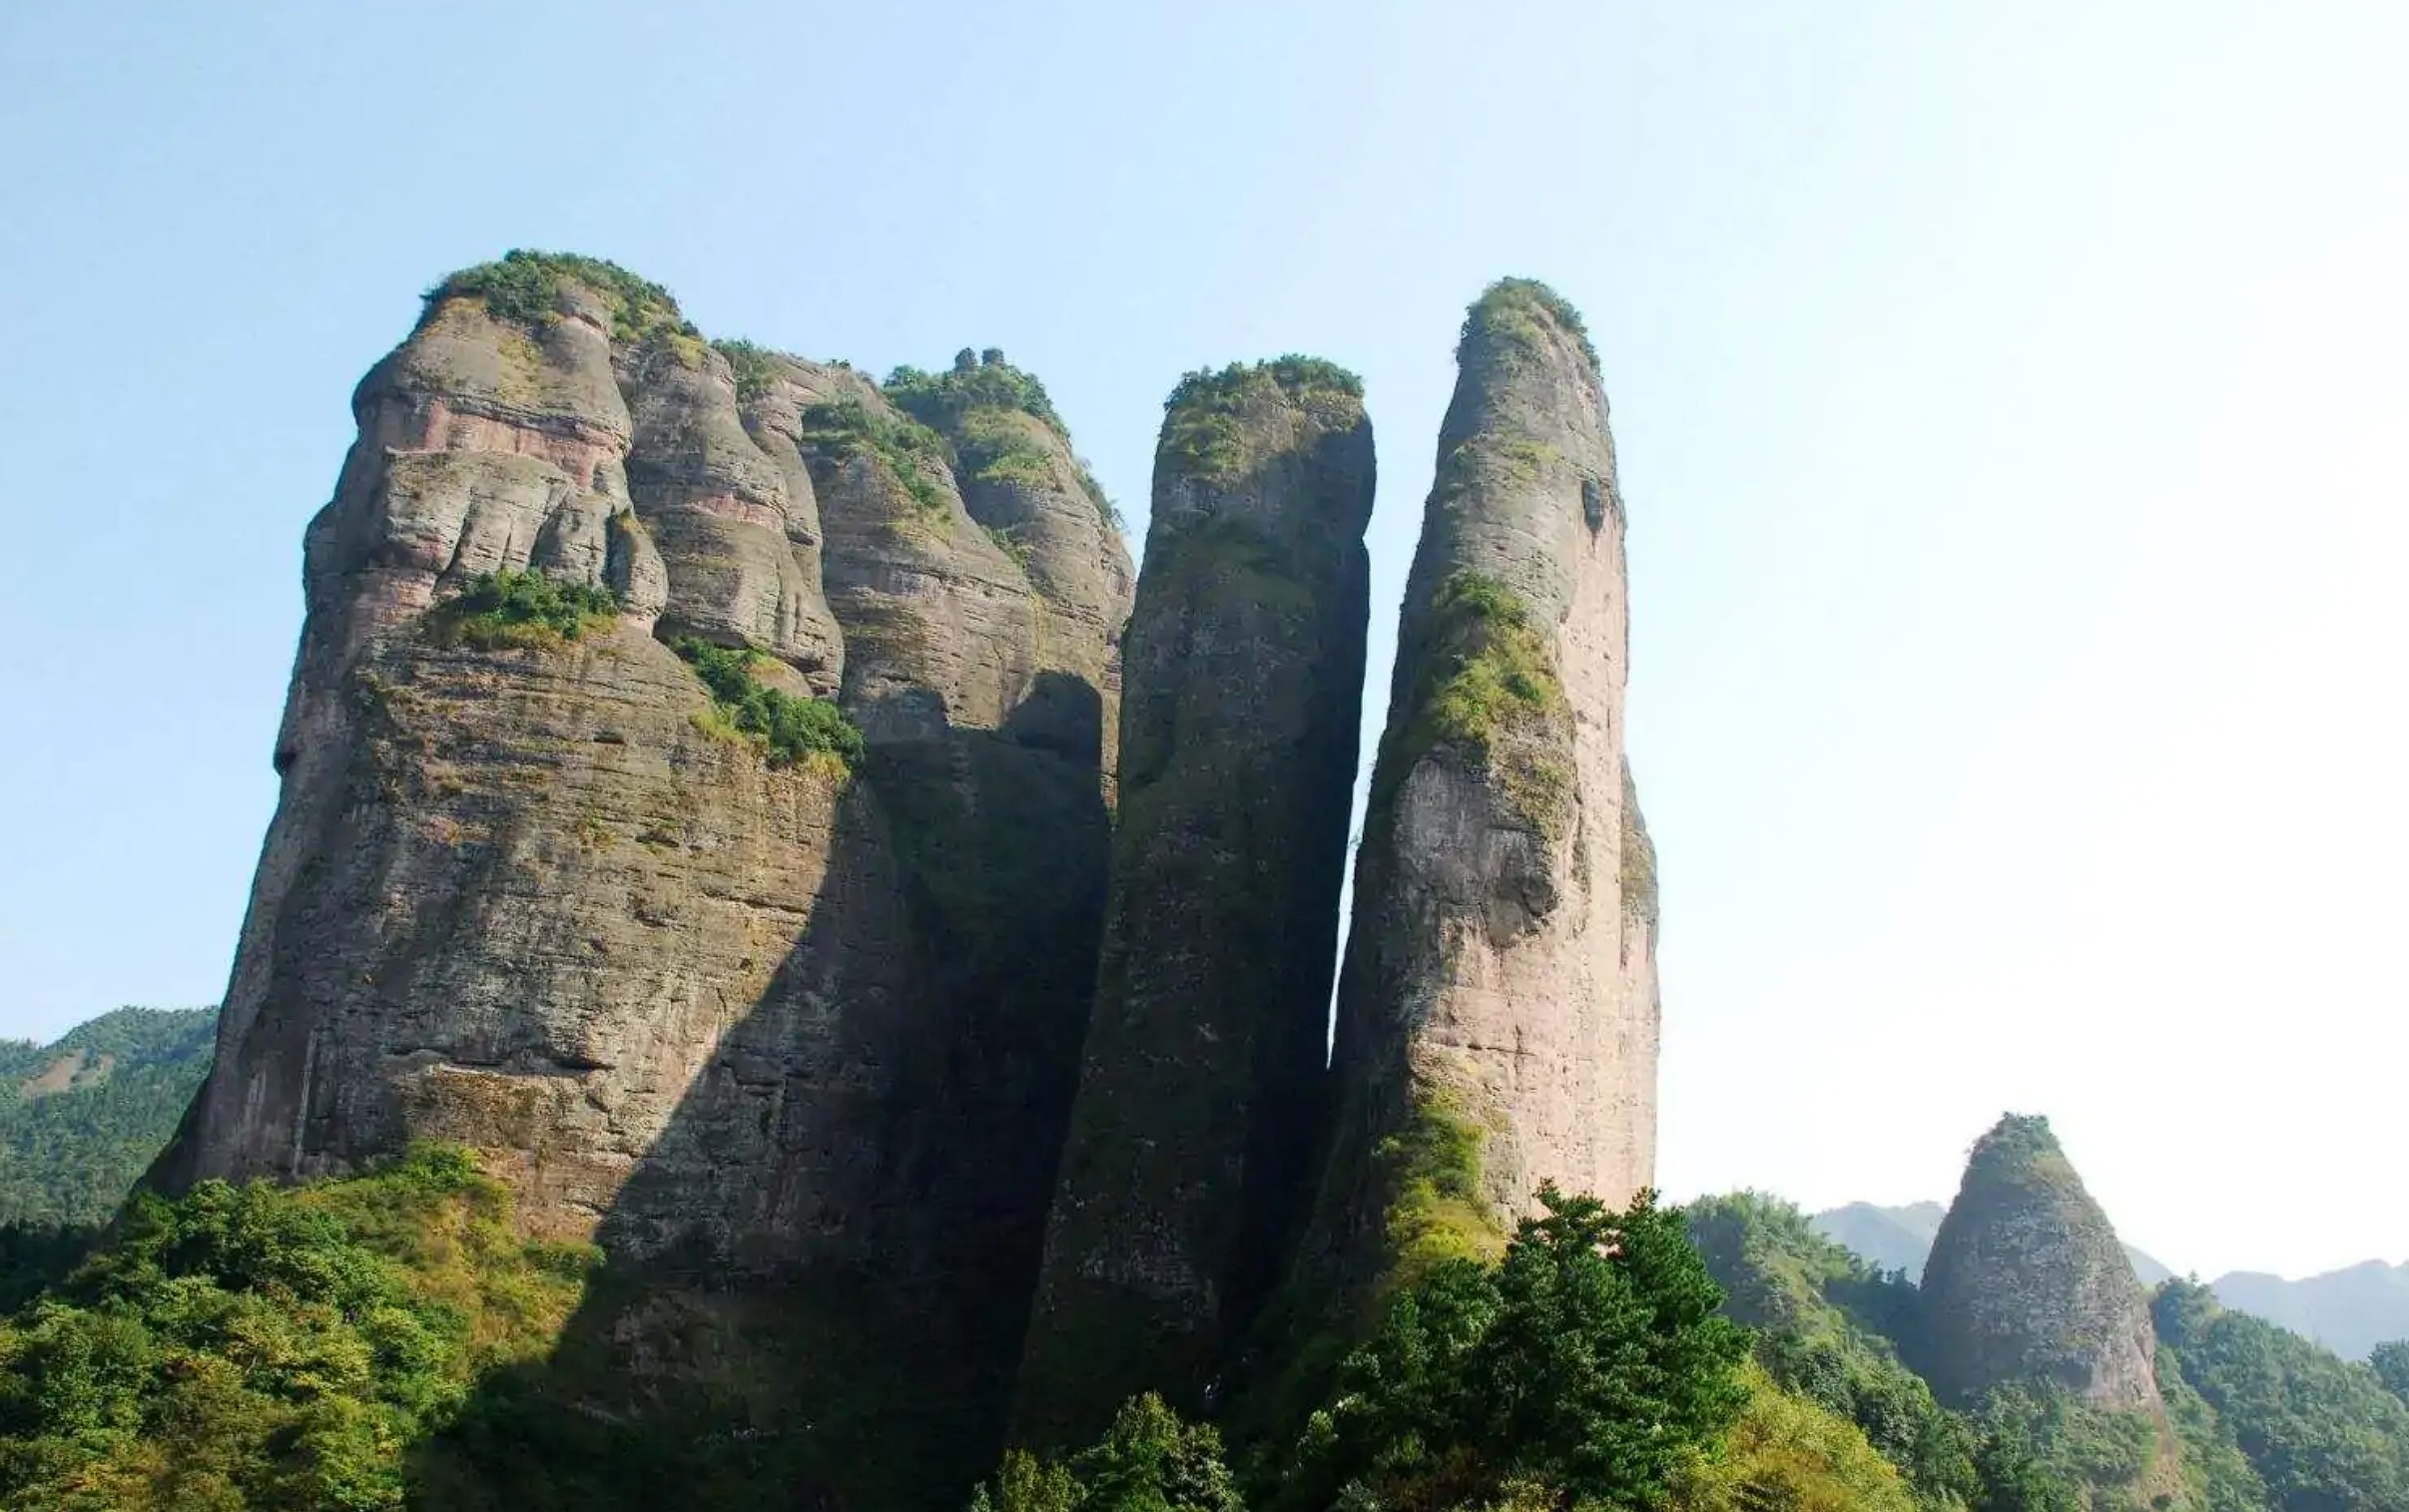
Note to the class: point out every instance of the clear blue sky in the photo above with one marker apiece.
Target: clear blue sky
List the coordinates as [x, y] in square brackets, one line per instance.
[2010, 403]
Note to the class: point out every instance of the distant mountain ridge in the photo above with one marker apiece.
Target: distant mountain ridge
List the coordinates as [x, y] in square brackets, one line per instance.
[2349, 1311]
[81, 1117]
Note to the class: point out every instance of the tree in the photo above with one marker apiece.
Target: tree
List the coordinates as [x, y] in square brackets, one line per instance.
[1590, 1362]
[1149, 1460]
[2391, 1362]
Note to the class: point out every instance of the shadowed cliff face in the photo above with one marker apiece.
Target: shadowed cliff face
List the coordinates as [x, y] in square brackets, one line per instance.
[1498, 1015]
[781, 1020]
[1202, 1076]
[2027, 1285]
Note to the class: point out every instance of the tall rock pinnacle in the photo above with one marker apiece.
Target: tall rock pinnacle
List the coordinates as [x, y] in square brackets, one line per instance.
[1498, 1013]
[2026, 1284]
[1198, 1106]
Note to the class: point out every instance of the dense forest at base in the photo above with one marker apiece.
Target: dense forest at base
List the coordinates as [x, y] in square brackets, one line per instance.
[391, 1340]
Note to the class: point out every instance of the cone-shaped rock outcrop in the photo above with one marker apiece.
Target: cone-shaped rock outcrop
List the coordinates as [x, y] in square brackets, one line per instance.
[1201, 1083]
[2028, 1285]
[1498, 1013]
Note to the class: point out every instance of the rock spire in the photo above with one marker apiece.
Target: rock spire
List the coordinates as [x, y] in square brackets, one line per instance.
[1201, 1083]
[1497, 1012]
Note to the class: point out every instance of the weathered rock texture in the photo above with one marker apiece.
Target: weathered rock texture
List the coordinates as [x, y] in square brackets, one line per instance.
[1037, 502]
[2028, 1285]
[1498, 1014]
[525, 899]
[1202, 1079]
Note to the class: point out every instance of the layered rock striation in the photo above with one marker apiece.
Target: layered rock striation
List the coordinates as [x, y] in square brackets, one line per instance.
[544, 898]
[1202, 1079]
[2028, 1285]
[1498, 1013]
[743, 901]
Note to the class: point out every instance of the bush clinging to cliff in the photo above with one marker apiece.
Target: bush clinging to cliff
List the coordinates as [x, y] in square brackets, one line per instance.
[790, 730]
[1486, 673]
[524, 610]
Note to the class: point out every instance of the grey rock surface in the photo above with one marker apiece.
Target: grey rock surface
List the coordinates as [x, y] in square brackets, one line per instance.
[2027, 1282]
[1202, 1078]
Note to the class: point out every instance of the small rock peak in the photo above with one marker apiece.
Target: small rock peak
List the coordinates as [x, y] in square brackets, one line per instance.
[1241, 440]
[1022, 480]
[1525, 319]
[2027, 1285]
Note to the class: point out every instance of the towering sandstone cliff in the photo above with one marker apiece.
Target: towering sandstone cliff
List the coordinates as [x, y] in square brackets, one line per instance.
[542, 899]
[2027, 1284]
[696, 780]
[1498, 1013]
[1200, 1086]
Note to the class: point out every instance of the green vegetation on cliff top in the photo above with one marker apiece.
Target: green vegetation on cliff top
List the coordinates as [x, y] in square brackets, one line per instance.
[753, 368]
[973, 403]
[82, 1118]
[977, 380]
[1202, 429]
[786, 729]
[527, 611]
[1514, 309]
[526, 286]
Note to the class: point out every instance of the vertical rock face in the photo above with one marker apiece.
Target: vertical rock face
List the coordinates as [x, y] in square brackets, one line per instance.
[1202, 1076]
[537, 900]
[1498, 1016]
[2026, 1284]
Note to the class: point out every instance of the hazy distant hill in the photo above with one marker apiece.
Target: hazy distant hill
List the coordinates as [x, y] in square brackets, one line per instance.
[2349, 1311]
[81, 1118]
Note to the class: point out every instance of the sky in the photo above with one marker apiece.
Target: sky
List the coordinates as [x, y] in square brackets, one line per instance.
[2008, 400]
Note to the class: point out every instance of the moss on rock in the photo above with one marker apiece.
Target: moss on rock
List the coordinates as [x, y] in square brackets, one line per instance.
[1486, 689]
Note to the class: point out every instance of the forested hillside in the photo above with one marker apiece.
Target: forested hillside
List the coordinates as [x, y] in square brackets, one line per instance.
[2261, 1419]
[79, 1119]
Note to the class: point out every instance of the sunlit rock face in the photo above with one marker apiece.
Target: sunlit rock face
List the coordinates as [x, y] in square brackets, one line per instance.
[1497, 1010]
